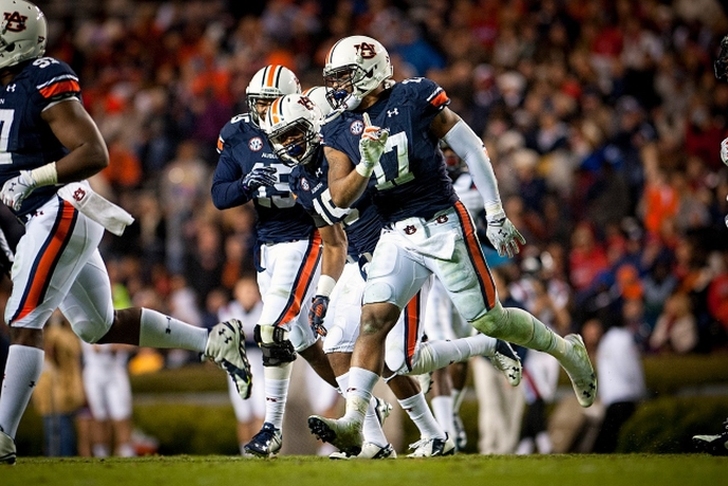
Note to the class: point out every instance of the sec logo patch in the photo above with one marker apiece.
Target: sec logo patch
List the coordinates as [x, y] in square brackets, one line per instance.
[304, 185]
[356, 127]
[255, 144]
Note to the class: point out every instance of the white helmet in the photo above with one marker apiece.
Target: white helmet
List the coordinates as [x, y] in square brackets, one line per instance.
[318, 95]
[292, 124]
[23, 32]
[268, 84]
[355, 66]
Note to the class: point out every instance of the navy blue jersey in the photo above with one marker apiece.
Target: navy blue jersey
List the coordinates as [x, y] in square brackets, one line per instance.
[411, 179]
[362, 223]
[243, 146]
[26, 140]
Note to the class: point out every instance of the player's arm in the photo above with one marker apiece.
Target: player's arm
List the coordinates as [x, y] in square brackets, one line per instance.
[448, 126]
[345, 183]
[334, 259]
[76, 130]
[334, 251]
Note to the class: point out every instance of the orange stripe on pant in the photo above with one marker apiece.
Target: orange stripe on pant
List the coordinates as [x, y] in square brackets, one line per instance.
[46, 262]
[303, 280]
[475, 252]
[411, 324]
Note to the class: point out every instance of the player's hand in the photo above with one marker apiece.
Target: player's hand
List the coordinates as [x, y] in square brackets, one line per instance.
[260, 176]
[503, 235]
[724, 151]
[319, 306]
[371, 146]
[18, 188]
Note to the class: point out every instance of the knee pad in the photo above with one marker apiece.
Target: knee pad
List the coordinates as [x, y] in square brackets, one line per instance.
[275, 345]
[377, 292]
[88, 331]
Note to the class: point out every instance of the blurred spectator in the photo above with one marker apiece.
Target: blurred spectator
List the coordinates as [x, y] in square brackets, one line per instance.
[621, 382]
[59, 395]
[676, 329]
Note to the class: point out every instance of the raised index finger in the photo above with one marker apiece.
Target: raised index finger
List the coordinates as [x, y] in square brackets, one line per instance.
[367, 120]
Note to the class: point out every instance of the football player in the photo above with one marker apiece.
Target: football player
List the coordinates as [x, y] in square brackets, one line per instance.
[717, 444]
[287, 253]
[292, 126]
[49, 140]
[427, 229]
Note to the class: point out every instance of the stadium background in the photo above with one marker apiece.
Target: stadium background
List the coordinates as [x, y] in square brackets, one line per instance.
[603, 120]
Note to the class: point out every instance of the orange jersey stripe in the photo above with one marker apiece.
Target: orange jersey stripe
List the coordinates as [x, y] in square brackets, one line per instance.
[303, 280]
[476, 255]
[440, 99]
[220, 144]
[412, 320]
[65, 86]
[46, 262]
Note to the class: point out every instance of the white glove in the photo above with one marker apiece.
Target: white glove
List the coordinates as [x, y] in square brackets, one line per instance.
[503, 235]
[724, 151]
[15, 190]
[371, 147]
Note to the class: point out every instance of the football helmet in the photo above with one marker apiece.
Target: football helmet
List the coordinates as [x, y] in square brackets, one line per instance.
[292, 125]
[354, 67]
[268, 84]
[317, 94]
[23, 32]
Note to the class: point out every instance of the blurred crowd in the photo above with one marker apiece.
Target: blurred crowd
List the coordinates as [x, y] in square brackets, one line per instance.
[603, 120]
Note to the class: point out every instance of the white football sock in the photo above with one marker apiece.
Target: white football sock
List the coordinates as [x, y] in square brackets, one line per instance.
[22, 370]
[359, 393]
[417, 409]
[160, 331]
[433, 355]
[277, 381]
[457, 399]
[443, 411]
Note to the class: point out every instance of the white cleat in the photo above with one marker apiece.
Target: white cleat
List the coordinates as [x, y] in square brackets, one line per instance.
[368, 451]
[7, 449]
[580, 371]
[432, 447]
[226, 348]
[382, 409]
[344, 435]
[507, 362]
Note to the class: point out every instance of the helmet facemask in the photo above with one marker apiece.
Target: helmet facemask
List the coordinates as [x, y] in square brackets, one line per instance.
[355, 67]
[292, 125]
[721, 63]
[295, 144]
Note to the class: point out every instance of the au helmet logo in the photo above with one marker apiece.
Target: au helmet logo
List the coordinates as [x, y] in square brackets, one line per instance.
[14, 22]
[366, 50]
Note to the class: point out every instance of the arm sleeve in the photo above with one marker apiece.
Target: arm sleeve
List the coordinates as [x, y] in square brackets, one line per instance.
[469, 147]
[227, 183]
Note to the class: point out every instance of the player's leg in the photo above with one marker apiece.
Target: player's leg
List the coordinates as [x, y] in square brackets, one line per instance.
[56, 245]
[393, 279]
[342, 323]
[471, 287]
[285, 286]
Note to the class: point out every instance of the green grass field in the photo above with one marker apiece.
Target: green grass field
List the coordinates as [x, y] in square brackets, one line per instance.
[461, 470]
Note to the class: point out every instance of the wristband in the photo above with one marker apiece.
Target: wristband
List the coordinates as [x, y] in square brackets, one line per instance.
[45, 175]
[363, 170]
[325, 285]
[494, 207]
